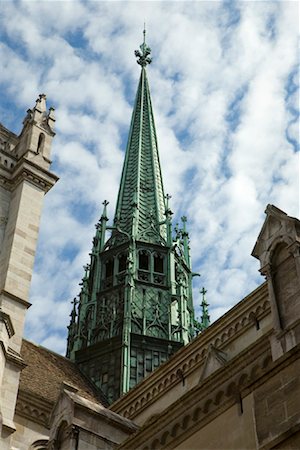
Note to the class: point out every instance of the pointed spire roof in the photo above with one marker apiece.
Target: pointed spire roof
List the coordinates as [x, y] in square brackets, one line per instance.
[141, 202]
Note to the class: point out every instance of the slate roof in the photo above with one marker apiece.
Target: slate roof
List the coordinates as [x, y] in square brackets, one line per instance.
[45, 372]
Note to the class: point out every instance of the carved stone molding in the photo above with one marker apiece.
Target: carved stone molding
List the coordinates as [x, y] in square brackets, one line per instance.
[3, 221]
[217, 335]
[15, 298]
[28, 170]
[33, 408]
[15, 358]
[32, 413]
[206, 401]
[38, 181]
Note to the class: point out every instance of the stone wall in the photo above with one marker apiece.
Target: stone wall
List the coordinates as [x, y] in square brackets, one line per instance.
[27, 434]
[277, 406]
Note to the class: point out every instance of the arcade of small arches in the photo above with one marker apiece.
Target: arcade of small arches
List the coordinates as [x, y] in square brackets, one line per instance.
[151, 267]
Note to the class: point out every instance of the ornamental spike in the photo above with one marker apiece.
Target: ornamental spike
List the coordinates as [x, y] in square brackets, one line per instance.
[73, 312]
[205, 319]
[143, 55]
[104, 213]
[168, 197]
[184, 221]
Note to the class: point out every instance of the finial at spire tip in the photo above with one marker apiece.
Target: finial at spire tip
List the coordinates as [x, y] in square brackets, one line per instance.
[143, 55]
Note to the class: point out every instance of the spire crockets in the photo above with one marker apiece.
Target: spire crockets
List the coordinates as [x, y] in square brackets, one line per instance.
[140, 210]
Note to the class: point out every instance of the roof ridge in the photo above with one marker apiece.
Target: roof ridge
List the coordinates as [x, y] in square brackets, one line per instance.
[46, 349]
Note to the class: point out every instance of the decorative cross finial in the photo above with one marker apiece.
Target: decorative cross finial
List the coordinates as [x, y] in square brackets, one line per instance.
[205, 319]
[203, 291]
[184, 232]
[143, 56]
[104, 213]
[73, 312]
[167, 197]
[74, 302]
[86, 268]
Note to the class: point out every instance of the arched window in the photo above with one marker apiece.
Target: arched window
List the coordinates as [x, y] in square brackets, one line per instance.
[158, 263]
[121, 269]
[109, 268]
[144, 263]
[122, 262]
[41, 141]
[61, 437]
[151, 267]
[41, 444]
[108, 273]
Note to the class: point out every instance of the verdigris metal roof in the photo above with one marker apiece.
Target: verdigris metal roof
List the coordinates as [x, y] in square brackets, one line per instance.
[141, 203]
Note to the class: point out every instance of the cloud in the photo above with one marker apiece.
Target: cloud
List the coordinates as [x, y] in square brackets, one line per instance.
[224, 88]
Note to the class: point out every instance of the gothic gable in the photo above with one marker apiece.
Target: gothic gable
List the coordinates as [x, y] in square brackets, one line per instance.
[215, 359]
[277, 228]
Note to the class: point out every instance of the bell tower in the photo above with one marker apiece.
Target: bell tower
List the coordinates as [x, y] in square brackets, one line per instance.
[135, 308]
[25, 178]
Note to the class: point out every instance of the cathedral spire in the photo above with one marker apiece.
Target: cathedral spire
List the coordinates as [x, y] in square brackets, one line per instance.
[140, 210]
[135, 306]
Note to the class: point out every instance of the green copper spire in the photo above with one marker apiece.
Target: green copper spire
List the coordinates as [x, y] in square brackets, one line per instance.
[135, 306]
[140, 209]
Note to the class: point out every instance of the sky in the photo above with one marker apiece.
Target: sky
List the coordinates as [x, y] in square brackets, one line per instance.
[224, 88]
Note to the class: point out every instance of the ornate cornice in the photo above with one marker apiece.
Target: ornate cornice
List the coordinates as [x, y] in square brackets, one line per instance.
[15, 298]
[15, 358]
[199, 406]
[29, 171]
[246, 314]
[33, 408]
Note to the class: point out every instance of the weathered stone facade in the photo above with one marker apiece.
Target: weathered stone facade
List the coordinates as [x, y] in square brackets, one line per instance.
[24, 180]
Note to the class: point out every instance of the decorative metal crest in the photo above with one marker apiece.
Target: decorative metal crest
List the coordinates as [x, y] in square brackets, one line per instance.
[143, 55]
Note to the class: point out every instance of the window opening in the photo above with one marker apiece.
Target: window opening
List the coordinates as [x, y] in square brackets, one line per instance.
[122, 263]
[41, 141]
[143, 261]
[158, 263]
[109, 268]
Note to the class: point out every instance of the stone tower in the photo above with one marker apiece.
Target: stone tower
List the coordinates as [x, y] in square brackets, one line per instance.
[25, 178]
[135, 307]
